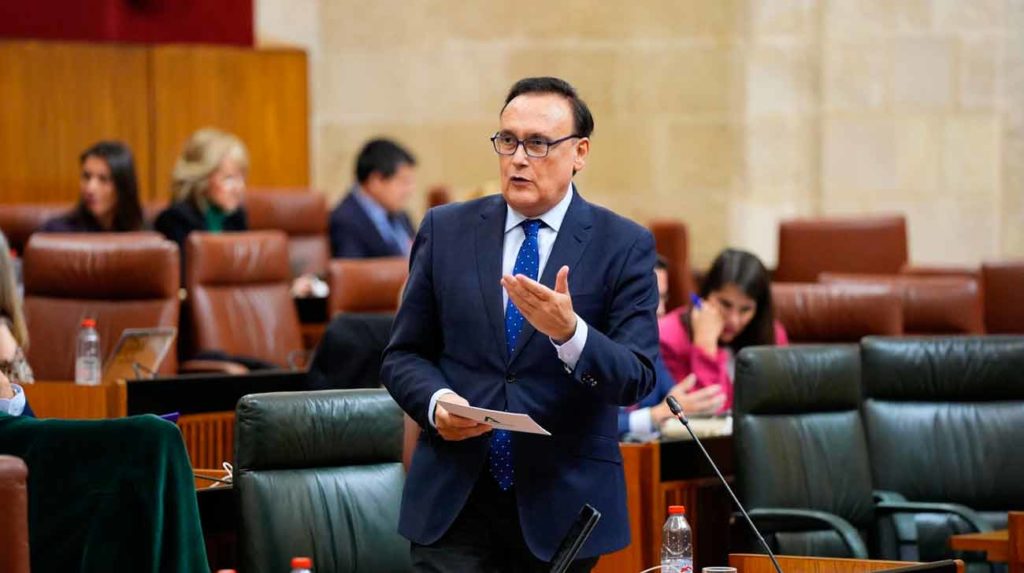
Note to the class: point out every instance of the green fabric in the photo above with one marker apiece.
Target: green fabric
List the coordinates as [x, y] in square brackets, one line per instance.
[214, 217]
[108, 495]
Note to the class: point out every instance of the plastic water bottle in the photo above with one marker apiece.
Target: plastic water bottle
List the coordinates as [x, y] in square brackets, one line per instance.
[302, 565]
[87, 355]
[676, 542]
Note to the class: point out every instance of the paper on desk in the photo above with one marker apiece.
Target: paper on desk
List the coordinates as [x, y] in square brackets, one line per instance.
[500, 420]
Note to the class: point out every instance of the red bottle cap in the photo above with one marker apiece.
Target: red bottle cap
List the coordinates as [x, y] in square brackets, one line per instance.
[88, 323]
[676, 509]
[302, 563]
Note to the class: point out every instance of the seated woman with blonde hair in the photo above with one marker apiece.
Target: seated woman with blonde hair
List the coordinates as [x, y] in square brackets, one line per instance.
[14, 369]
[208, 183]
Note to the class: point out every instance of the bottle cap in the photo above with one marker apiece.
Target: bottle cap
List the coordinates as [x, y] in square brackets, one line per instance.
[226, 571]
[676, 509]
[301, 563]
[88, 323]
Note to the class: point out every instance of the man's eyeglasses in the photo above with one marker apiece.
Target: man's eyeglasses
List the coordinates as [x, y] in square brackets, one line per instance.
[507, 144]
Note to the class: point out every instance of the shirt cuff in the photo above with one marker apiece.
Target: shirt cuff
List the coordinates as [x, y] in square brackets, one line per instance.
[570, 352]
[640, 422]
[433, 404]
[16, 405]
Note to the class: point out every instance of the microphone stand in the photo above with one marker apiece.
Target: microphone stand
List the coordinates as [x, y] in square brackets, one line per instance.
[677, 411]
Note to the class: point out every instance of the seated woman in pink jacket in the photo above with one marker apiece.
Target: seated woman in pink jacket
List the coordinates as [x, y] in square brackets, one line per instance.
[734, 311]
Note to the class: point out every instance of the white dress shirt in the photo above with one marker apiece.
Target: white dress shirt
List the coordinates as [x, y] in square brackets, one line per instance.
[569, 352]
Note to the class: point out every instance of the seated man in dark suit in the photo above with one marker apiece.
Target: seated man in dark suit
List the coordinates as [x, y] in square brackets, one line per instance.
[371, 220]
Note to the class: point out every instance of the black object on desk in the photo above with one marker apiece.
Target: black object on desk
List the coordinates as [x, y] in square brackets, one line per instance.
[200, 393]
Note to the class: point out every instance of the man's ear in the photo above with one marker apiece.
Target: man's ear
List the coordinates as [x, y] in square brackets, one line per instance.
[582, 151]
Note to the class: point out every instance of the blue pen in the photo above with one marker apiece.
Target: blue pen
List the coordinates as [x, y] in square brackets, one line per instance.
[695, 300]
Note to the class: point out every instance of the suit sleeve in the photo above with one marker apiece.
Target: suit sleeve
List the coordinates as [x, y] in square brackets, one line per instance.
[409, 367]
[344, 243]
[619, 363]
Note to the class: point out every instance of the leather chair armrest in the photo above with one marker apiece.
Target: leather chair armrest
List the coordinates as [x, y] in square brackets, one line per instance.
[778, 520]
[222, 366]
[972, 517]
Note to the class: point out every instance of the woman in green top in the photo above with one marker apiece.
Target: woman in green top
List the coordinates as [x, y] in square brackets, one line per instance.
[208, 183]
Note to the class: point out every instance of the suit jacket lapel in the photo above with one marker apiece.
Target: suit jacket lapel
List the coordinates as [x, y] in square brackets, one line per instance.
[490, 235]
[569, 245]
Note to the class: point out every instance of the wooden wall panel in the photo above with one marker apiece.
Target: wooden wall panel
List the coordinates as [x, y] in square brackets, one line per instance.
[59, 98]
[261, 96]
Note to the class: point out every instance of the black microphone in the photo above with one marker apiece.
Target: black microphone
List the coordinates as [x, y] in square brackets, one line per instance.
[677, 411]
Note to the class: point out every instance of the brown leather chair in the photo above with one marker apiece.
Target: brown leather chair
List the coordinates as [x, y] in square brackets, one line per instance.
[861, 245]
[1003, 284]
[302, 214]
[671, 239]
[123, 280]
[438, 195]
[13, 515]
[813, 312]
[931, 304]
[366, 285]
[239, 295]
[19, 220]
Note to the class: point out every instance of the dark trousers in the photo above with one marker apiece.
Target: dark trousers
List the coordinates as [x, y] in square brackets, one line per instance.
[486, 537]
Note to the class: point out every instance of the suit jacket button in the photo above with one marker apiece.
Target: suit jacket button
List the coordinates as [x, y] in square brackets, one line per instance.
[510, 378]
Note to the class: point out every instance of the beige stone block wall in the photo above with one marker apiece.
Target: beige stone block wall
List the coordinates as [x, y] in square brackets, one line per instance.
[729, 114]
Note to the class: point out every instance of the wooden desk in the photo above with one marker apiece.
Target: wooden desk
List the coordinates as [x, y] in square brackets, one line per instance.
[1006, 546]
[660, 474]
[67, 400]
[995, 544]
[762, 564]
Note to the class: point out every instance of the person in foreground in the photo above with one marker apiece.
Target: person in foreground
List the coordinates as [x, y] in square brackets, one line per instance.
[734, 311]
[643, 420]
[108, 194]
[538, 302]
[14, 369]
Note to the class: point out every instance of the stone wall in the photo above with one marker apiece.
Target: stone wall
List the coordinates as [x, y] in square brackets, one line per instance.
[728, 114]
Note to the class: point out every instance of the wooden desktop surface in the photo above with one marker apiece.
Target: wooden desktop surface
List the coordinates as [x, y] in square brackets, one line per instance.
[746, 563]
[995, 544]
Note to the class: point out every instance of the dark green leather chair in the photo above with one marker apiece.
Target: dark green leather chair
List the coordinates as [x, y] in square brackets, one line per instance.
[801, 455]
[319, 474]
[945, 424]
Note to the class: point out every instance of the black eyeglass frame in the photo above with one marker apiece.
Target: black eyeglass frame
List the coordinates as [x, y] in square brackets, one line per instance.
[522, 142]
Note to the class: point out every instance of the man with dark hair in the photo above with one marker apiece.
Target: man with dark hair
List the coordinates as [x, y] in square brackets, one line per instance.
[371, 221]
[493, 317]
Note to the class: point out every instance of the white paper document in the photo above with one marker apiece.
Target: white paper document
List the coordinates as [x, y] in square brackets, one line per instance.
[500, 420]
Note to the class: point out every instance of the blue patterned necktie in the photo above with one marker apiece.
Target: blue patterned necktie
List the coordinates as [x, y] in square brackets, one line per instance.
[528, 264]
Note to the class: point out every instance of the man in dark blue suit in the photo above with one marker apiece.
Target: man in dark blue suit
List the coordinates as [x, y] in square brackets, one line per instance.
[371, 220]
[477, 327]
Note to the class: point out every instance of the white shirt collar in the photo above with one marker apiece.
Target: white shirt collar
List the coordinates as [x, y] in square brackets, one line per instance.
[552, 218]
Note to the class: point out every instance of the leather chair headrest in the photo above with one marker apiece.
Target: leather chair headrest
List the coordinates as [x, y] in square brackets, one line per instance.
[870, 244]
[804, 378]
[348, 427]
[943, 368]
[295, 211]
[814, 312]
[931, 304]
[366, 285]
[107, 266]
[19, 220]
[1004, 307]
[237, 258]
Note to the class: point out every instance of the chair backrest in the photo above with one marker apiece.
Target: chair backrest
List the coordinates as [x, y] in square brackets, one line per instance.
[19, 220]
[350, 352]
[798, 434]
[813, 312]
[953, 407]
[931, 304]
[1004, 305]
[240, 298]
[809, 247]
[302, 214]
[13, 515]
[438, 195]
[672, 241]
[366, 285]
[123, 280]
[320, 474]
